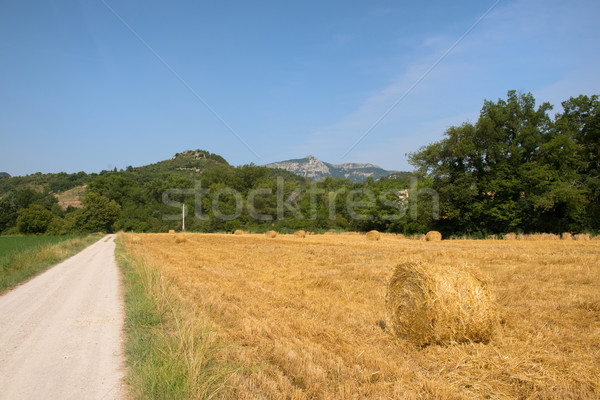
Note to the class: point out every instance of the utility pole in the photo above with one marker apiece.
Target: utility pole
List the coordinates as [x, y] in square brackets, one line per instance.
[183, 214]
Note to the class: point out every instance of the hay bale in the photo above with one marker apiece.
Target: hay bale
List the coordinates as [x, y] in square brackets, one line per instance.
[271, 234]
[300, 234]
[180, 239]
[171, 231]
[373, 235]
[238, 232]
[509, 236]
[433, 236]
[582, 236]
[432, 304]
[566, 236]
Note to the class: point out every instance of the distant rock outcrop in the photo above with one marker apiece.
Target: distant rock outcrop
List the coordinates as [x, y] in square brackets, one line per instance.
[313, 168]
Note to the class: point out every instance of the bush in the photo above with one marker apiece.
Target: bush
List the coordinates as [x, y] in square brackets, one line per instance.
[34, 219]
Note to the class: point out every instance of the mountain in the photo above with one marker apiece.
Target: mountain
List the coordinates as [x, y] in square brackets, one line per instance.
[190, 164]
[4, 175]
[313, 168]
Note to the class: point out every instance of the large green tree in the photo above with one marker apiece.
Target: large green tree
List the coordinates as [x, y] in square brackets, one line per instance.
[34, 219]
[516, 168]
[99, 214]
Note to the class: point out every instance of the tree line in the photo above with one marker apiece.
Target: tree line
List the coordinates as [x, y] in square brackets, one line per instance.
[517, 169]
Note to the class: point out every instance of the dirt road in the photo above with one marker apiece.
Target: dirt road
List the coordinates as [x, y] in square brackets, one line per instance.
[60, 333]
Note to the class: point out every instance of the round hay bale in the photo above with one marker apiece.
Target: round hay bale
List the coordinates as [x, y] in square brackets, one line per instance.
[433, 236]
[238, 232]
[180, 239]
[566, 236]
[509, 236]
[373, 235]
[582, 236]
[300, 234]
[271, 234]
[171, 231]
[432, 304]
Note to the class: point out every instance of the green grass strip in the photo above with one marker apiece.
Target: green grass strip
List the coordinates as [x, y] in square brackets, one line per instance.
[171, 352]
[22, 257]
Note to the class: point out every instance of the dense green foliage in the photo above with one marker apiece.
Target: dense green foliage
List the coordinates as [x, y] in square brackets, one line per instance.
[34, 219]
[517, 169]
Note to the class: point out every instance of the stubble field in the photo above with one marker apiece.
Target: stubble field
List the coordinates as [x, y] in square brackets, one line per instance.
[306, 318]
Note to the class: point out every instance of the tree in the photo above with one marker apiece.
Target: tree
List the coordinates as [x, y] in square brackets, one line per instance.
[8, 212]
[580, 123]
[34, 219]
[515, 169]
[98, 215]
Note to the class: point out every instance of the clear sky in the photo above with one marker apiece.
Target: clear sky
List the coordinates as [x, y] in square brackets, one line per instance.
[79, 91]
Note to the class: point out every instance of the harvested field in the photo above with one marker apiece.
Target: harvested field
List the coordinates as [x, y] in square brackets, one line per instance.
[306, 318]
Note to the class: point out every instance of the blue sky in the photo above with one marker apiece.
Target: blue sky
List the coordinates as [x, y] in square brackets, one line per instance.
[79, 91]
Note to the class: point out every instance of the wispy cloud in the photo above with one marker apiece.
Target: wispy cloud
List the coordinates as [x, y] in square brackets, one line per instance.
[506, 52]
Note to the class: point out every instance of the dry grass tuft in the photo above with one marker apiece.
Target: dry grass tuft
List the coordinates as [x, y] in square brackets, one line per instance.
[432, 304]
[582, 236]
[300, 234]
[238, 232]
[433, 236]
[271, 234]
[566, 236]
[373, 235]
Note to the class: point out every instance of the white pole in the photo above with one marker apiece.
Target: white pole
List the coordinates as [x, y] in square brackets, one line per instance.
[183, 214]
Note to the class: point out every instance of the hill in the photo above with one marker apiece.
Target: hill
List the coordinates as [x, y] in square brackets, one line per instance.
[313, 168]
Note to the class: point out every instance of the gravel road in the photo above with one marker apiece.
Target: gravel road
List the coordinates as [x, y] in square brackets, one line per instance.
[60, 333]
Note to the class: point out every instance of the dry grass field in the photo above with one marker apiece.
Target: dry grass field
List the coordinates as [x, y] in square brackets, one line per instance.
[306, 318]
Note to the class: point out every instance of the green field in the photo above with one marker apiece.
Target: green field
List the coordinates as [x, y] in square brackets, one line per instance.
[22, 257]
[9, 245]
